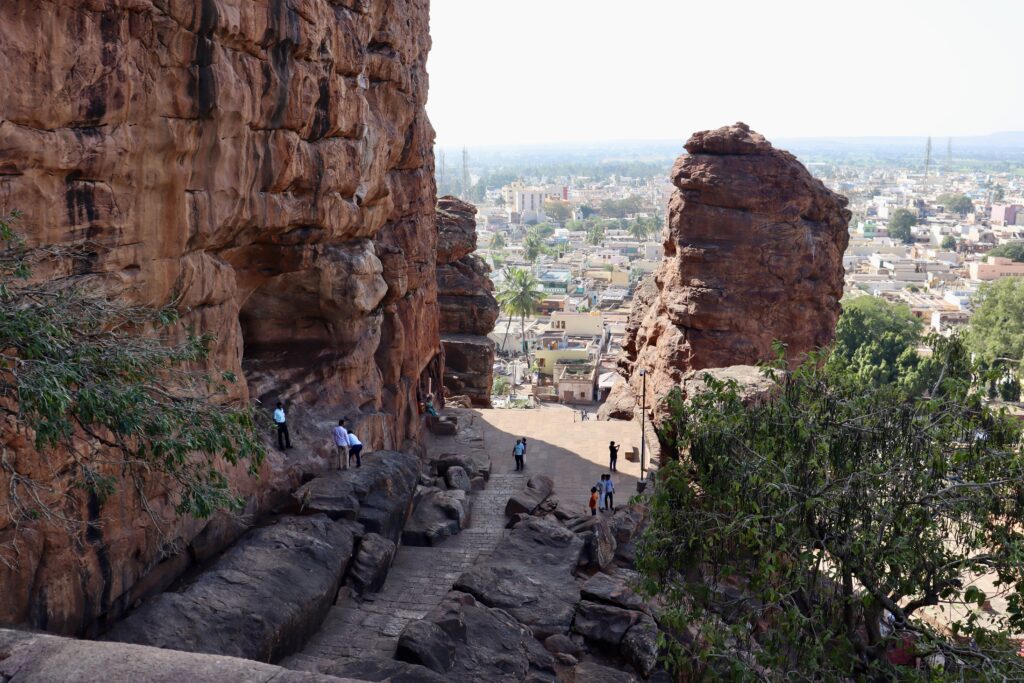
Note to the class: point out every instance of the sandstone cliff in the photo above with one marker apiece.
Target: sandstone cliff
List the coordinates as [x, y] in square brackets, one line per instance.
[753, 255]
[270, 163]
[468, 309]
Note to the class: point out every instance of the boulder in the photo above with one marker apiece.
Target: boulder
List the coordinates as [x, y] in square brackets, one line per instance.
[466, 641]
[29, 657]
[370, 567]
[589, 672]
[560, 643]
[627, 522]
[600, 545]
[530, 575]
[613, 589]
[456, 478]
[477, 484]
[382, 670]
[437, 515]
[475, 465]
[640, 645]
[528, 500]
[260, 600]
[378, 494]
[603, 624]
[442, 426]
[424, 643]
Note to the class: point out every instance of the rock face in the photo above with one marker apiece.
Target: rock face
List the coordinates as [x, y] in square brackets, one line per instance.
[467, 305]
[268, 162]
[753, 255]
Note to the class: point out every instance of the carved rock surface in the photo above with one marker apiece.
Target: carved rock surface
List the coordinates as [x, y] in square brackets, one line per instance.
[260, 600]
[468, 309]
[271, 164]
[753, 255]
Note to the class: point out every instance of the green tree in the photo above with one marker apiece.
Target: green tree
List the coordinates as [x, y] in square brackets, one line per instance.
[501, 386]
[639, 229]
[533, 246]
[595, 235]
[876, 341]
[949, 242]
[498, 241]
[996, 332]
[803, 535]
[560, 211]
[998, 194]
[104, 381]
[956, 203]
[1010, 250]
[520, 294]
[900, 223]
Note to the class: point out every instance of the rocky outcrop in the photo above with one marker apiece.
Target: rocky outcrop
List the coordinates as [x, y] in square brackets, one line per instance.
[467, 305]
[530, 575]
[468, 641]
[260, 601]
[753, 256]
[270, 165]
[30, 657]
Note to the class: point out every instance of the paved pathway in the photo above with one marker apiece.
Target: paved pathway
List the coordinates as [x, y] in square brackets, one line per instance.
[417, 582]
[574, 453]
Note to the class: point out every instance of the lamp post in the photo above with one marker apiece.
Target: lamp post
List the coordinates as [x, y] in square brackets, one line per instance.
[640, 485]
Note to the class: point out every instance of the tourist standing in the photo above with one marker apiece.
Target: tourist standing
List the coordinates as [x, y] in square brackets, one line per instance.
[613, 457]
[340, 435]
[284, 440]
[517, 451]
[593, 500]
[609, 493]
[355, 448]
[601, 491]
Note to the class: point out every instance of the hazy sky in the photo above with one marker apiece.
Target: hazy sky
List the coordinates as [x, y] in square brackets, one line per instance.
[538, 71]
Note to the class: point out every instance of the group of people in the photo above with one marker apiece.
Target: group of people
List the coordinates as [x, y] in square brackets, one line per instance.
[602, 495]
[346, 443]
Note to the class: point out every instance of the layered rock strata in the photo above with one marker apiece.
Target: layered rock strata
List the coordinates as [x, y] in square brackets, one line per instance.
[268, 164]
[468, 309]
[753, 256]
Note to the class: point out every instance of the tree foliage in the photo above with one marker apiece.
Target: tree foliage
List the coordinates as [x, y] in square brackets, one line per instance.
[996, 333]
[802, 536]
[956, 203]
[900, 223]
[1010, 250]
[533, 245]
[106, 382]
[948, 242]
[876, 341]
[558, 210]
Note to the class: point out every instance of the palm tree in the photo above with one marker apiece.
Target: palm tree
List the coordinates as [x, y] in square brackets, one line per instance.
[595, 235]
[498, 241]
[519, 294]
[533, 246]
[639, 229]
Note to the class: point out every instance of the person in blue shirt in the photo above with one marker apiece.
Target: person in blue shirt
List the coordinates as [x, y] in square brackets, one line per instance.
[355, 447]
[518, 451]
[284, 440]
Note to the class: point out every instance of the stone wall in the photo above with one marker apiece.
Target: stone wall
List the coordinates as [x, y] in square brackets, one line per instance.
[270, 163]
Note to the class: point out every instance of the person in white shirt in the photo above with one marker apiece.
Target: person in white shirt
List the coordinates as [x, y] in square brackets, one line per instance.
[284, 440]
[609, 493]
[341, 443]
[355, 447]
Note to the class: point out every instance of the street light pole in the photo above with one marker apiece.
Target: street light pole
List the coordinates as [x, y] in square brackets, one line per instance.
[643, 419]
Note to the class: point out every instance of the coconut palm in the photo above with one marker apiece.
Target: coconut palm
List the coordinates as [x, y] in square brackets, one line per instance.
[533, 246]
[519, 294]
[639, 229]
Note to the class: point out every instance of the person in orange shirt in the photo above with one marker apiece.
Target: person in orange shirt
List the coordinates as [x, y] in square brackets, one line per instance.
[593, 500]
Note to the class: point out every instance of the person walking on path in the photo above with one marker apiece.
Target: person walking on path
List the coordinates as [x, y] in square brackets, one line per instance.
[341, 443]
[518, 451]
[355, 448]
[593, 500]
[613, 457]
[284, 440]
[601, 492]
[609, 493]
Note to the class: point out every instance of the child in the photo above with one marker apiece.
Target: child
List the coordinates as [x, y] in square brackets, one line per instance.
[593, 500]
